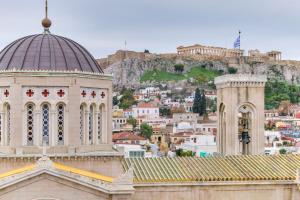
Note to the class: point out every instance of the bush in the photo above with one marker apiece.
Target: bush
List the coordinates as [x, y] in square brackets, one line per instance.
[179, 68]
[182, 153]
[232, 70]
[282, 151]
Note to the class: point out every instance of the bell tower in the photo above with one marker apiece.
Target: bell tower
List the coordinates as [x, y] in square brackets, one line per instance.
[240, 101]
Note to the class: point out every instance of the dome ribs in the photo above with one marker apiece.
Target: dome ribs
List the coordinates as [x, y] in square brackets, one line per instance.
[75, 54]
[14, 51]
[47, 52]
[37, 64]
[81, 48]
[6, 49]
[62, 50]
[83, 53]
[26, 52]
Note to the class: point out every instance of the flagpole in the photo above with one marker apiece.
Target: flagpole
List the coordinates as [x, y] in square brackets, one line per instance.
[240, 39]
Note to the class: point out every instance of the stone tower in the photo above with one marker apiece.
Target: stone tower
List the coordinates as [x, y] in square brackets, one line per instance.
[240, 100]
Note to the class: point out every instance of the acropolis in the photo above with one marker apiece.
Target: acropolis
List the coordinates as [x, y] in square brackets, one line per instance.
[210, 51]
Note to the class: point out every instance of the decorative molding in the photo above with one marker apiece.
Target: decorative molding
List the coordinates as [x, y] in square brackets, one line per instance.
[16, 72]
[240, 80]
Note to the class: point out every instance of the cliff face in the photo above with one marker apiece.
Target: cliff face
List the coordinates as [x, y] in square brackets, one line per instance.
[127, 72]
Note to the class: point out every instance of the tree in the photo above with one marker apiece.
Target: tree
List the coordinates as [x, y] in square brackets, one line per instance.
[127, 99]
[146, 130]
[133, 122]
[115, 100]
[203, 104]
[197, 101]
[179, 68]
[165, 111]
[199, 105]
[146, 51]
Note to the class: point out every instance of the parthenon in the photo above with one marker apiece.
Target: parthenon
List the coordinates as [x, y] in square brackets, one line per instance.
[198, 49]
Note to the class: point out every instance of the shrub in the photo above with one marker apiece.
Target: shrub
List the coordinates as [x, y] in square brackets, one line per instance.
[179, 68]
[232, 70]
[282, 151]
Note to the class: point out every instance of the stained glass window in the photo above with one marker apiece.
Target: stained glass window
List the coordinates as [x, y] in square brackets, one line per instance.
[60, 124]
[45, 124]
[30, 126]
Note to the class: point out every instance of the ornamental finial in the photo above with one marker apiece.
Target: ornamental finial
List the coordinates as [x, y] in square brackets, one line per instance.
[46, 22]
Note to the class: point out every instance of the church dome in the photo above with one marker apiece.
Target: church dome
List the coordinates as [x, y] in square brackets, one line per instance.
[47, 52]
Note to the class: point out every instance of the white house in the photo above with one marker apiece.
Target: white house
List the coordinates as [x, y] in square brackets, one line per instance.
[146, 110]
[200, 144]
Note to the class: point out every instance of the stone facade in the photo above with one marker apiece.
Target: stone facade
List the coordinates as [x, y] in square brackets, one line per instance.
[240, 101]
[26, 125]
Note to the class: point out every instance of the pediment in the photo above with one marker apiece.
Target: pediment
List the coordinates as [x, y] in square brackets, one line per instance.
[49, 186]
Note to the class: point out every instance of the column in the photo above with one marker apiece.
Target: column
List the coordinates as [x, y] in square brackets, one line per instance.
[96, 127]
[72, 117]
[37, 127]
[87, 122]
[16, 106]
[2, 128]
[52, 126]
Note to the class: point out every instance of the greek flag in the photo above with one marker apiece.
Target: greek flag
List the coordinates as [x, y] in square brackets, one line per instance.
[237, 43]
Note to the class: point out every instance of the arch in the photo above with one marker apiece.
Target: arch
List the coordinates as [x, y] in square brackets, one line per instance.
[45, 108]
[60, 123]
[245, 115]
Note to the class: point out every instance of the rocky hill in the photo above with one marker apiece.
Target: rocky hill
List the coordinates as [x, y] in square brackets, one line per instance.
[129, 71]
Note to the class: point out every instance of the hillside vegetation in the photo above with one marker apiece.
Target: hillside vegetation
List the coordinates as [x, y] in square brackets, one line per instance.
[198, 73]
[277, 90]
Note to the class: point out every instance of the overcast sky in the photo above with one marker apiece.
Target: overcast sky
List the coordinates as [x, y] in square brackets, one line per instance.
[102, 26]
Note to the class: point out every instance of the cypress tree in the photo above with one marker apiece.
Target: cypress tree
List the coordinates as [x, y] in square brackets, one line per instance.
[197, 102]
[203, 104]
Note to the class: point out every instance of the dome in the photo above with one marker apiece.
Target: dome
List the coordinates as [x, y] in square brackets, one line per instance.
[47, 52]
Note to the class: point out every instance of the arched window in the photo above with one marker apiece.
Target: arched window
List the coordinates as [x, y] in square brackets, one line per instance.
[60, 123]
[45, 124]
[100, 124]
[30, 122]
[244, 128]
[91, 124]
[81, 124]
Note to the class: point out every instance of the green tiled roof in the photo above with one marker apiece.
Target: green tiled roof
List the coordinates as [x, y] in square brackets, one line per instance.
[227, 168]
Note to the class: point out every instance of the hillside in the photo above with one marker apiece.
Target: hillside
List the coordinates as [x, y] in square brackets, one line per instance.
[137, 71]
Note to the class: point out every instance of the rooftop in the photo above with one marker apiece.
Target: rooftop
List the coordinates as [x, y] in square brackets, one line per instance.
[127, 136]
[222, 169]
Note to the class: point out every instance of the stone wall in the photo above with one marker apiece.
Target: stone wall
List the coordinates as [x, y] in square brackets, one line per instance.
[216, 191]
